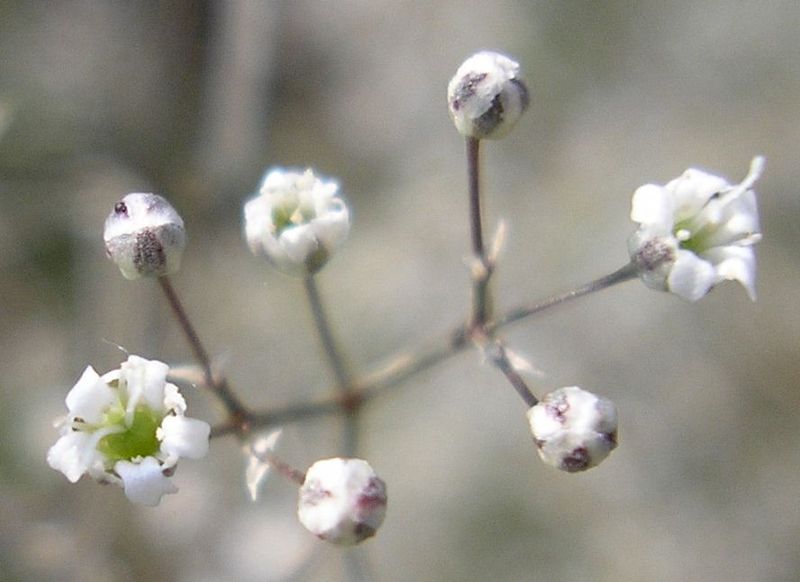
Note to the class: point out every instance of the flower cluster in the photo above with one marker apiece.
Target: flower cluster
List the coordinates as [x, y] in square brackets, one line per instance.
[696, 232]
[297, 221]
[128, 427]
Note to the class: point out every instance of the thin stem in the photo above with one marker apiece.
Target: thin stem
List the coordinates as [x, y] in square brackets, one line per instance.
[474, 185]
[481, 268]
[329, 344]
[344, 379]
[282, 467]
[619, 276]
[235, 408]
[497, 353]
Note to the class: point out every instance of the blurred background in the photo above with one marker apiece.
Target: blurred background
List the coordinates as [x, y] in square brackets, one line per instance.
[196, 99]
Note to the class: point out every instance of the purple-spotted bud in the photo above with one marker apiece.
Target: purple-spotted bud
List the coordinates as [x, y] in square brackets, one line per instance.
[486, 98]
[144, 236]
[342, 501]
[574, 429]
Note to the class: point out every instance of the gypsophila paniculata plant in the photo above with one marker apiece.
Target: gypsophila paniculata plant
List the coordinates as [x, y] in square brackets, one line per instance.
[130, 426]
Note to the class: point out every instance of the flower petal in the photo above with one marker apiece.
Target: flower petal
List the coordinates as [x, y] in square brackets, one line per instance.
[653, 206]
[90, 397]
[145, 379]
[144, 482]
[691, 277]
[184, 437]
[735, 263]
[72, 454]
[298, 243]
[693, 190]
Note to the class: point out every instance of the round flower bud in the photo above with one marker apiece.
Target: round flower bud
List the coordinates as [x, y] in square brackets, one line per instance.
[574, 429]
[485, 97]
[144, 236]
[297, 221]
[342, 501]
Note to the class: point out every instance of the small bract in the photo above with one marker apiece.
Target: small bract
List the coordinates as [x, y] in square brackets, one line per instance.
[128, 427]
[486, 98]
[144, 236]
[696, 232]
[573, 429]
[297, 221]
[342, 501]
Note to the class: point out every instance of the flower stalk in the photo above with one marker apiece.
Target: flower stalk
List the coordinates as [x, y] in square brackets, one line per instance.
[219, 386]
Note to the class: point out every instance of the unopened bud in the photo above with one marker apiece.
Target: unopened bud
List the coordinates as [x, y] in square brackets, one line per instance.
[342, 501]
[144, 236]
[485, 97]
[574, 429]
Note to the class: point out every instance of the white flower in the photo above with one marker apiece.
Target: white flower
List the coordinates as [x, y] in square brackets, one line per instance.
[144, 236]
[342, 501]
[573, 429]
[696, 232]
[486, 98]
[297, 221]
[128, 427]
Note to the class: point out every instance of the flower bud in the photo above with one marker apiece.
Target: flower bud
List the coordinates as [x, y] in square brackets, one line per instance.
[485, 97]
[297, 221]
[342, 501]
[574, 429]
[144, 236]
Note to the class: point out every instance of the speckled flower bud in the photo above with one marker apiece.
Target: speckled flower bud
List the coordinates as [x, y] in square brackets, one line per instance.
[486, 98]
[574, 429]
[342, 501]
[144, 236]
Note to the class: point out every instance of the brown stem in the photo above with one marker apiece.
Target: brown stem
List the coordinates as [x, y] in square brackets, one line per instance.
[237, 411]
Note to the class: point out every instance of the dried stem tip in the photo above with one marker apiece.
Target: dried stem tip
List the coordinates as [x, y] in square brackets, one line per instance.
[485, 97]
[144, 236]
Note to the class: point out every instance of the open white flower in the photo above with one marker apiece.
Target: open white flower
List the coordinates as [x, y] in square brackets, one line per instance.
[128, 427]
[297, 221]
[696, 232]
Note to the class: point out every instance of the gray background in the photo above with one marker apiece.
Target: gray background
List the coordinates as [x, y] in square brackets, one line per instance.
[196, 100]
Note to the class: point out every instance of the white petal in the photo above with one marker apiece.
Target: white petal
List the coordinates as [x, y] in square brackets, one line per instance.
[298, 243]
[653, 206]
[144, 482]
[332, 228]
[738, 221]
[173, 399]
[693, 190]
[90, 397]
[735, 263]
[691, 277]
[72, 454]
[184, 437]
[146, 380]
[257, 223]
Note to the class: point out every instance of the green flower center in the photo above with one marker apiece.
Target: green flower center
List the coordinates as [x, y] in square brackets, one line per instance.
[291, 213]
[139, 440]
[690, 239]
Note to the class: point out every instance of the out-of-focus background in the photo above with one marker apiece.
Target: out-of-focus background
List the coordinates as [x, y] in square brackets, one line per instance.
[196, 99]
